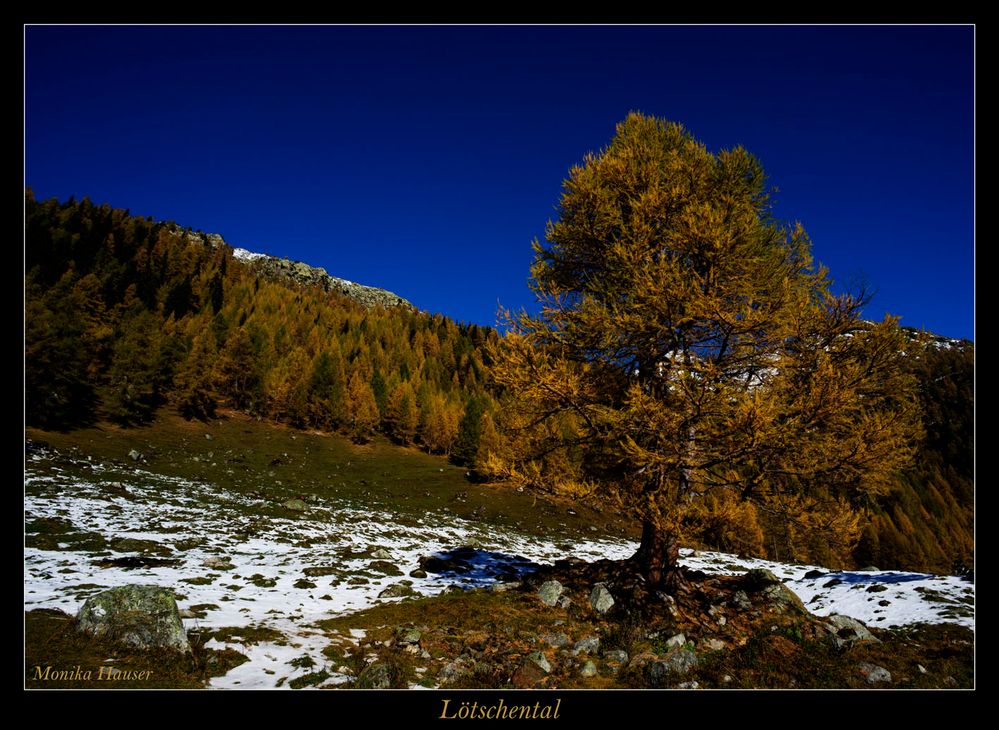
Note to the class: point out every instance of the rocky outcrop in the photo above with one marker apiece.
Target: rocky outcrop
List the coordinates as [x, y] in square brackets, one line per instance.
[302, 273]
[299, 272]
[141, 616]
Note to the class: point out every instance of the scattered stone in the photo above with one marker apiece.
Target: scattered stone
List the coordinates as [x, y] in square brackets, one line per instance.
[873, 673]
[383, 566]
[869, 569]
[134, 455]
[741, 601]
[418, 573]
[541, 660]
[601, 599]
[209, 437]
[589, 669]
[406, 636]
[676, 641]
[921, 668]
[564, 602]
[296, 505]
[586, 645]
[884, 602]
[303, 583]
[877, 588]
[712, 644]
[831, 583]
[382, 554]
[131, 545]
[375, 676]
[669, 601]
[398, 590]
[187, 613]
[641, 660]
[813, 574]
[556, 640]
[550, 592]
[949, 681]
[317, 571]
[616, 655]
[503, 586]
[528, 675]
[459, 669]
[846, 631]
[726, 678]
[142, 616]
[680, 662]
[223, 563]
[757, 579]
[689, 685]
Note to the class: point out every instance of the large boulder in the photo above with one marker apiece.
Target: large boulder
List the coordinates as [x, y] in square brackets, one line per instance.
[601, 599]
[550, 592]
[845, 631]
[142, 616]
[772, 590]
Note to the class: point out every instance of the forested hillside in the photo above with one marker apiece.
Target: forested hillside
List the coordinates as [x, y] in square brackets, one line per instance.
[124, 315]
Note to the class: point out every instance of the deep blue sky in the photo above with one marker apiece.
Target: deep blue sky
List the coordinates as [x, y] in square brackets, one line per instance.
[425, 159]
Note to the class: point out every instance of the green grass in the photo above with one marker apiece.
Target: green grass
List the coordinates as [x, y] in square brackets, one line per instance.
[405, 482]
[52, 641]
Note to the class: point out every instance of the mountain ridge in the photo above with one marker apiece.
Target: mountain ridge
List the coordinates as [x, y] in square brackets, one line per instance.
[300, 272]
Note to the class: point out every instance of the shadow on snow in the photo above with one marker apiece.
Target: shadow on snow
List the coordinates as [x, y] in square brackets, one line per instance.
[472, 568]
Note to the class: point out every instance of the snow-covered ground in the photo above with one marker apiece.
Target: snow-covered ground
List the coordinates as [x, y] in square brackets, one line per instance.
[289, 571]
[243, 255]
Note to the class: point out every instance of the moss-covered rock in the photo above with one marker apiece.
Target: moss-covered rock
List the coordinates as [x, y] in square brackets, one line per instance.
[135, 615]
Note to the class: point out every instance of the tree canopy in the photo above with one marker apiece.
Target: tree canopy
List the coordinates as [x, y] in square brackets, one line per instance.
[688, 347]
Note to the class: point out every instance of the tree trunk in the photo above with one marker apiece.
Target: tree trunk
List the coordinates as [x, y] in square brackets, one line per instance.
[658, 557]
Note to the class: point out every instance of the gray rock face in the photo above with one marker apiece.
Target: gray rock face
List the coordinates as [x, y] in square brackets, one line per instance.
[405, 637]
[601, 599]
[873, 673]
[770, 588]
[846, 631]
[679, 662]
[550, 592]
[616, 655]
[302, 273]
[676, 641]
[375, 676]
[540, 660]
[741, 601]
[587, 645]
[135, 615]
[556, 640]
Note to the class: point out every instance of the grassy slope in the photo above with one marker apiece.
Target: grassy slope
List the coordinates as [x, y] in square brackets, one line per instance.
[496, 630]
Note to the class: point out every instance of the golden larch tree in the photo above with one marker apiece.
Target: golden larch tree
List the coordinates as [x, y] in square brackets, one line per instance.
[696, 348]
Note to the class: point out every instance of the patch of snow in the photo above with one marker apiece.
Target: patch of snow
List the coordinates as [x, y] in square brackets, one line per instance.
[336, 534]
[243, 255]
